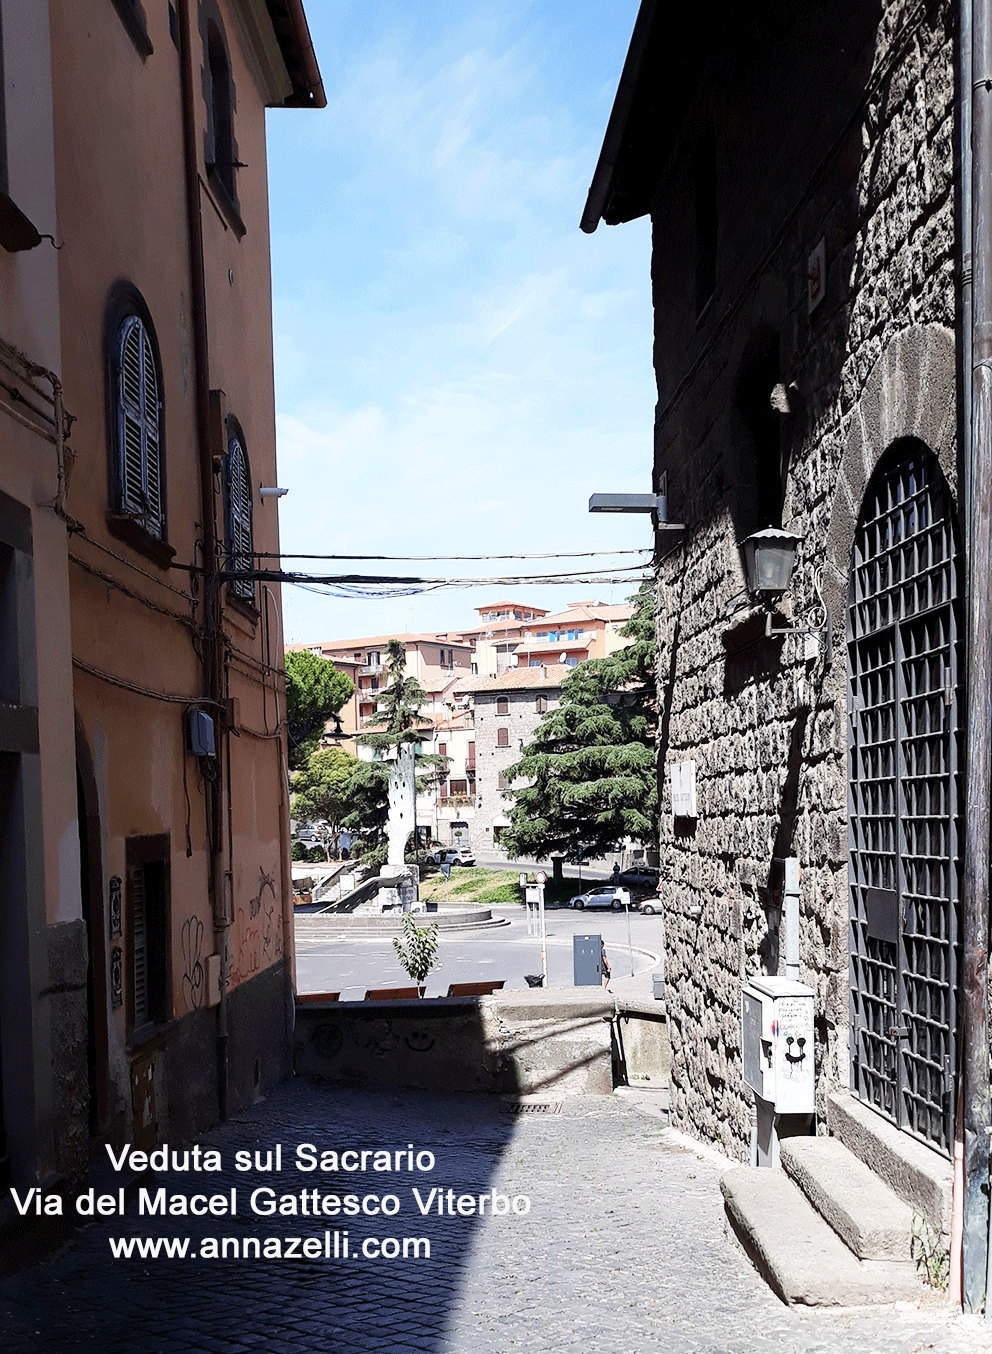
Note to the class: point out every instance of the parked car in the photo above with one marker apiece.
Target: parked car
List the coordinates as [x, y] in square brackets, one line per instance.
[605, 897]
[640, 877]
[442, 857]
[650, 904]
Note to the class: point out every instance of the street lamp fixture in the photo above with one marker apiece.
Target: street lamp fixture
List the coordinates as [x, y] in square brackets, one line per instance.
[769, 558]
[655, 504]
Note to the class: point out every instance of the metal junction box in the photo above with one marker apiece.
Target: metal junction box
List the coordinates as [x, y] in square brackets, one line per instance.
[777, 1043]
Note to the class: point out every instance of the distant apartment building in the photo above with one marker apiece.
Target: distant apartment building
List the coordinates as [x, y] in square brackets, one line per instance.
[434, 660]
[506, 710]
[584, 630]
[447, 809]
[496, 637]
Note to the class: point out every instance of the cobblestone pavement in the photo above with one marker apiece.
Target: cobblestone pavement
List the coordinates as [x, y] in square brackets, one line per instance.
[624, 1248]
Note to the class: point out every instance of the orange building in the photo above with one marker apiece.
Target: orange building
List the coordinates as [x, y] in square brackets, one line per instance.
[584, 630]
[434, 660]
[146, 913]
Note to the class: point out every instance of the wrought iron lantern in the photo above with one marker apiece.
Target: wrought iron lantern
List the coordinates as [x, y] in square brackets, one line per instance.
[770, 556]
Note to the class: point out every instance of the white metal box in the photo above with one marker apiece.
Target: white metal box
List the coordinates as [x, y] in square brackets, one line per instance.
[777, 1043]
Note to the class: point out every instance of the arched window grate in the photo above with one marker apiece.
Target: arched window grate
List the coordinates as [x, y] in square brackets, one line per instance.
[904, 754]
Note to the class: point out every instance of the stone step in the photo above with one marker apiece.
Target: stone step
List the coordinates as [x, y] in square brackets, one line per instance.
[921, 1177]
[863, 1211]
[800, 1255]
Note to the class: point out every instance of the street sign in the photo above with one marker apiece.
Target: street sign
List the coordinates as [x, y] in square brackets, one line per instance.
[541, 877]
[446, 870]
[522, 879]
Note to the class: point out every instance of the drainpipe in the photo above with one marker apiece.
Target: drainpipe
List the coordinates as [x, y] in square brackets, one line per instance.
[978, 521]
[212, 654]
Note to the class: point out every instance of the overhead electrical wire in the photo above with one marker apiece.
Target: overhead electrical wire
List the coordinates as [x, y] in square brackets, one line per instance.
[371, 585]
[557, 554]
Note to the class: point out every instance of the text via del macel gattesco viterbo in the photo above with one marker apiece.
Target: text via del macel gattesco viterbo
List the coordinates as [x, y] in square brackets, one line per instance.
[408, 1192]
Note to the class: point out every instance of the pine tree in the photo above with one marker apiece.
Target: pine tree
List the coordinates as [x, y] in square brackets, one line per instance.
[589, 772]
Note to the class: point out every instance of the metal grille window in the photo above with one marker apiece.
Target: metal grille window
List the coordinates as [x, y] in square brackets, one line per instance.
[139, 418]
[904, 759]
[239, 524]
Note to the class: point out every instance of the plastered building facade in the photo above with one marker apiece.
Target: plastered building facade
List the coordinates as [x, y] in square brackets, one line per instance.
[147, 942]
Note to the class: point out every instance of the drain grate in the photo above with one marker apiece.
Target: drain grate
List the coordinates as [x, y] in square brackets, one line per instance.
[535, 1107]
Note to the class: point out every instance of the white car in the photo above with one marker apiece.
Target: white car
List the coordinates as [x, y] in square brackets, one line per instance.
[605, 897]
[451, 858]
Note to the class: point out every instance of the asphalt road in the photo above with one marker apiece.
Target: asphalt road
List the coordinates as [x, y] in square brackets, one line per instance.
[351, 966]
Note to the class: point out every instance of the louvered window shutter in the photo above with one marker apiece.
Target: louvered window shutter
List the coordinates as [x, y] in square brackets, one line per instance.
[239, 517]
[139, 445]
[139, 946]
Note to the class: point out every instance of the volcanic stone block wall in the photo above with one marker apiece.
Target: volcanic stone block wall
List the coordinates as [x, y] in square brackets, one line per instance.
[765, 720]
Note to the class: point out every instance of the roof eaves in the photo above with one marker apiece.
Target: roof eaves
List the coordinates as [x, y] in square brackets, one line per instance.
[292, 31]
[602, 179]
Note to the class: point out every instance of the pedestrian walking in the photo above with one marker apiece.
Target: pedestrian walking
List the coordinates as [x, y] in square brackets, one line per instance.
[616, 873]
[604, 964]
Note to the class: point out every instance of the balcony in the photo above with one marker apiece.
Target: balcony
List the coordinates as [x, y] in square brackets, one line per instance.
[456, 801]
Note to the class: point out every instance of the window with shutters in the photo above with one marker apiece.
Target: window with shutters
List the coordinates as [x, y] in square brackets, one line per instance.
[237, 486]
[147, 902]
[136, 426]
[503, 737]
[138, 440]
[502, 705]
[221, 150]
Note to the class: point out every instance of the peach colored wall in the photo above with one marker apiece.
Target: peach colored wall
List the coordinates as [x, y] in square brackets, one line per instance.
[122, 215]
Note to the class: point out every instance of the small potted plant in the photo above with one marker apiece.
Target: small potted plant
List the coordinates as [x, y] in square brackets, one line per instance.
[417, 950]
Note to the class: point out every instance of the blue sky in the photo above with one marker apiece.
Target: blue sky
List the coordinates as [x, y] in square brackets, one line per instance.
[457, 366]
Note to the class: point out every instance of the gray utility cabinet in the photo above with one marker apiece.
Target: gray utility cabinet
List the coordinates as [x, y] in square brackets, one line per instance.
[587, 960]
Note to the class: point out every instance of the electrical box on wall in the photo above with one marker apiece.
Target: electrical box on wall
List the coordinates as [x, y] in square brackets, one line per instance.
[213, 980]
[200, 734]
[777, 1043]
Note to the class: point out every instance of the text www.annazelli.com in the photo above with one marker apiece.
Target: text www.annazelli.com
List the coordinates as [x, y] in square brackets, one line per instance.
[331, 1246]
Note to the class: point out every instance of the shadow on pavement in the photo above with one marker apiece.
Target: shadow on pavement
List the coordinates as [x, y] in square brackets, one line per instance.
[334, 1259]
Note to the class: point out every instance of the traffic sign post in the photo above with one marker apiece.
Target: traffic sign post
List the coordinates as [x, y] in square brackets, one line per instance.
[542, 879]
[522, 879]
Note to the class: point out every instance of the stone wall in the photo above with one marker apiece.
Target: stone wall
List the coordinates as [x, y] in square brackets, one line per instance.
[492, 805]
[855, 149]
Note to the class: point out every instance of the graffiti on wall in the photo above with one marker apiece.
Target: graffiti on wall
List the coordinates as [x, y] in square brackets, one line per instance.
[257, 923]
[192, 943]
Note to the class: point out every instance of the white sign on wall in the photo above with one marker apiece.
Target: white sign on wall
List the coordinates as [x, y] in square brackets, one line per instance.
[684, 789]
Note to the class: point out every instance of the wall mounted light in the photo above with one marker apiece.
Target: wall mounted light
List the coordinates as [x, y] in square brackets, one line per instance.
[272, 493]
[769, 558]
[655, 504]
